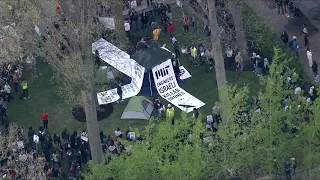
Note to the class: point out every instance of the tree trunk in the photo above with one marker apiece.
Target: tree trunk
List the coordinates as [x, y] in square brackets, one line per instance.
[216, 47]
[121, 37]
[92, 126]
[236, 10]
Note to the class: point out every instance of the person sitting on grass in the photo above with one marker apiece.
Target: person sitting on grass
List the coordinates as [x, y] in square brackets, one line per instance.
[118, 133]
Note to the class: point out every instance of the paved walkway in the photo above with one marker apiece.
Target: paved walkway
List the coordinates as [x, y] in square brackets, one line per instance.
[279, 23]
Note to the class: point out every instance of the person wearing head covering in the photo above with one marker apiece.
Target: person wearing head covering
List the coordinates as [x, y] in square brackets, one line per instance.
[295, 44]
[253, 61]
[170, 113]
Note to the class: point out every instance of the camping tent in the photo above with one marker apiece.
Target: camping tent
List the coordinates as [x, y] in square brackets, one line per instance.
[139, 107]
[149, 54]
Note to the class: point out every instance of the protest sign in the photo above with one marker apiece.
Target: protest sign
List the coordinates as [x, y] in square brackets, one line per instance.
[168, 88]
[113, 56]
[128, 90]
[122, 62]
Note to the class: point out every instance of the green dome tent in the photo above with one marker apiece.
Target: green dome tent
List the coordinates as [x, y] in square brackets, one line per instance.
[139, 107]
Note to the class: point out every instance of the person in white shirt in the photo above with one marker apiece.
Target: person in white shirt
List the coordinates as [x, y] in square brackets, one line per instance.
[305, 34]
[309, 56]
[84, 133]
[7, 90]
[118, 133]
[127, 27]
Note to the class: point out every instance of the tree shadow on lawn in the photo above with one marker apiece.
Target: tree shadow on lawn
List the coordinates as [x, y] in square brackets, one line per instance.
[43, 95]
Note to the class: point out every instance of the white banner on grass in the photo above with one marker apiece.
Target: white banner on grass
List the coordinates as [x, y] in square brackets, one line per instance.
[184, 73]
[113, 56]
[168, 88]
[128, 90]
[122, 62]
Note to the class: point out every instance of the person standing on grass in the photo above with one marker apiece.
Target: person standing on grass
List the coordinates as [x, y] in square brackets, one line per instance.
[144, 20]
[193, 21]
[7, 90]
[45, 118]
[169, 12]
[194, 54]
[253, 61]
[315, 71]
[239, 62]
[171, 29]
[195, 113]
[3, 112]
[24, 85]
[209, 57]
[309, 56]
[156, 33]
[185, 22]
[127, 28]
[284, 37]
[176, 47]
[259, 65]
[134, 19]
[229, 54]
[119, 91]
[15, 81]
[170, 113]
[201, 54]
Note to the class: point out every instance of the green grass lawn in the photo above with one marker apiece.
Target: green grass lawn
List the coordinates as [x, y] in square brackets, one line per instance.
[43, 91]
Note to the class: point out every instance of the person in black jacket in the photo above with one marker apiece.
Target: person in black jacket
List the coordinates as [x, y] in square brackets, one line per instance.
[280, 6]
[284, 37]
[144, 20]
[119, 91]
[134, 16]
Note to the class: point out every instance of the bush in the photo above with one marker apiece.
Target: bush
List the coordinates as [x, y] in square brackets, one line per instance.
[260, 37]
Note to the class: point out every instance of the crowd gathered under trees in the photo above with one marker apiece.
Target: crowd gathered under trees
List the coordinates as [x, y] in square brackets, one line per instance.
[73, 147]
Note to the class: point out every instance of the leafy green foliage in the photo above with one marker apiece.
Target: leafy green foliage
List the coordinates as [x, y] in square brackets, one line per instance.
[166, 152]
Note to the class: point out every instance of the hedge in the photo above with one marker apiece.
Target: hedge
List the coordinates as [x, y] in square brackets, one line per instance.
[260, 37]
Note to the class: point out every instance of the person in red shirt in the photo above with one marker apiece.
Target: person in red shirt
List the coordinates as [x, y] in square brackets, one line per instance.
[45, 118]
[185, 22]
[171, 29]
[58, 8]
